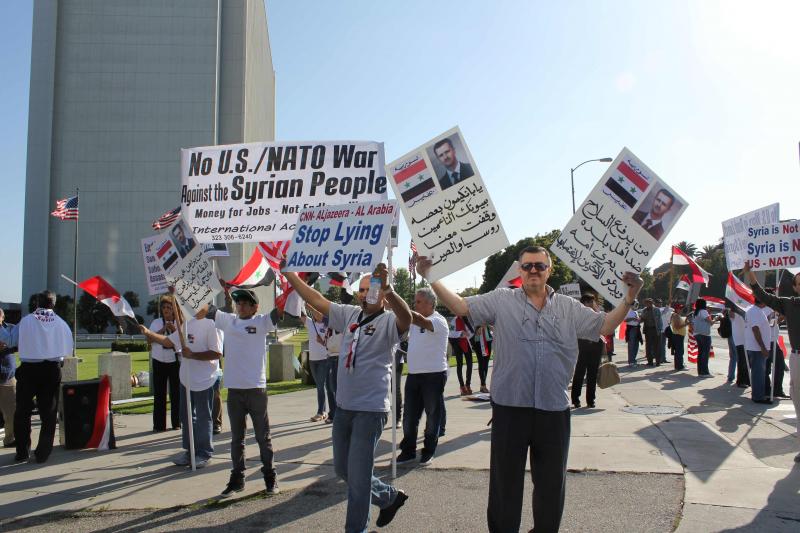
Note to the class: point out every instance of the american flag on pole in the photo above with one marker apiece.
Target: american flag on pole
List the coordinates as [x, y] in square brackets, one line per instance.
[167, 219]
[275, 252]
[66, 209]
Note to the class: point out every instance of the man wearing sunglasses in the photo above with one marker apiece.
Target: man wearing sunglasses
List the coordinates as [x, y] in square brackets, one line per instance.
[789, 307]
[536, 348]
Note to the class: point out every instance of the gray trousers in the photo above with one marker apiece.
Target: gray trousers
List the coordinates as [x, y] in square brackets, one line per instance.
[253, 402]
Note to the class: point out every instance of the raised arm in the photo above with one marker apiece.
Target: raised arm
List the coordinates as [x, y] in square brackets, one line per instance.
[761, 295]
[402, 312]
[615, 317]
[312, 296]
[455, 303]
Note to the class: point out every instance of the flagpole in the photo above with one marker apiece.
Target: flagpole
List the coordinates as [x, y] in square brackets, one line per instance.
[75, 276]
[775, 343]
[671, 274]
[394, 380]
[188, 392]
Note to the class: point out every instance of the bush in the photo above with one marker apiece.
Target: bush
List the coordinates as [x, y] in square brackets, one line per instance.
[129, 346]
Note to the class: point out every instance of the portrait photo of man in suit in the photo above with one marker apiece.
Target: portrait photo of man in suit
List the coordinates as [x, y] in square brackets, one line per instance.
[454, 170]
[182, 243]
[653, 221]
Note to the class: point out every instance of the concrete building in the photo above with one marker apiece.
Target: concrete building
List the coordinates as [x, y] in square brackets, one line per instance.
[117, 88]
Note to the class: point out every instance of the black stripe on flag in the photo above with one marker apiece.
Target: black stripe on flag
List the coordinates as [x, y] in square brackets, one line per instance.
[620, 191]
[416, 190]
[171, 259]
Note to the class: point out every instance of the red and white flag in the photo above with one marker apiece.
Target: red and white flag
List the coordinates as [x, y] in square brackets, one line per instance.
[256, 272]
[714, 304]
[511, 279]
[105, 293]
[684, 283]
[275, 252]
[103, 433]
[738, 293]
[698, 274]
[167, 219]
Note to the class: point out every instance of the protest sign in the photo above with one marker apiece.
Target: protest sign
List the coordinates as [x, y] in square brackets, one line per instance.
[254, 192]
[156, 282]
[571, 289]
[734, 233]
[773, 246]
[619, 226]
[343, 238]
[186, 268]
[446, 205]
[216, 250]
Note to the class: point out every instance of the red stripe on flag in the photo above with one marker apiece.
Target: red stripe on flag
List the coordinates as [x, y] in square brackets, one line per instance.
[409, 171]
[164, 249]
[635, 178]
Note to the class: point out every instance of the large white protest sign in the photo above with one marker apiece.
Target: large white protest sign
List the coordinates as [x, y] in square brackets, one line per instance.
[254, 192]
[187, 268]
[156, 282]
[343, 238]
[446, 205]
[734, 233]
[619, 226]
[773, 246]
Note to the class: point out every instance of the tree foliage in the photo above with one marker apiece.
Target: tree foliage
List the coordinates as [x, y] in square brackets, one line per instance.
[498, 264]
[687, 248]
[93, 316]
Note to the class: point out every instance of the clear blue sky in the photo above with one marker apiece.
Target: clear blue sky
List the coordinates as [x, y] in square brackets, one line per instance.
[705, 93]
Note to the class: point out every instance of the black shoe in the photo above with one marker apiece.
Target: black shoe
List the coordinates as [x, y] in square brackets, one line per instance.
[425, 459]
[12, 444]
[387, 515]
[272, 485]
[406, 457]
[766, 401]
[21, 457]
[40, 458]
[217, 430]
[441, 432]
[235, 484]
[590, 405]
[576, 404]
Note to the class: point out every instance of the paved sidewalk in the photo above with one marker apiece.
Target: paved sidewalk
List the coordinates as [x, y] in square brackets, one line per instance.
[735, 457]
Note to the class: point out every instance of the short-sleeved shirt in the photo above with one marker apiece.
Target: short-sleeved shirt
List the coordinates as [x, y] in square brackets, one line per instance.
[700, 323]
[755, 317]
[632, 318]
[334, 343]
[201, 336]
[316, 351]
[427, 350]
[775, 330]
[365, 387]
[737, 329]
[158, 352]
[535, 351]
[245, 349]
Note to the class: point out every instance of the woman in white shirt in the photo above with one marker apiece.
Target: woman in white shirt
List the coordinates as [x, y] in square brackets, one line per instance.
[166, 368]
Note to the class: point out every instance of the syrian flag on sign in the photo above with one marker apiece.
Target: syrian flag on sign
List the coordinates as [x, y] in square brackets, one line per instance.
[511, 279]
[105, 293]
[626, 186]
[255, 273]
[684, 283]
[739, 294]
[698, 274]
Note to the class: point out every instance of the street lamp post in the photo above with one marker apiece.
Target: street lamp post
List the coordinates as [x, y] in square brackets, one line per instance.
[572, 175]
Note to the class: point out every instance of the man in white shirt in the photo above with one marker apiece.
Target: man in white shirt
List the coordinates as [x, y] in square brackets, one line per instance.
[44, 340]
[198, 372]
[738, 335]
[633, 336]
[757, 335]
[427, 374]
[317, 328]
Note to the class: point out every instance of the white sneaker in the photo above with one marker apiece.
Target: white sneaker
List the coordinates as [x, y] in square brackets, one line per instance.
[201, 463]
[182, 459]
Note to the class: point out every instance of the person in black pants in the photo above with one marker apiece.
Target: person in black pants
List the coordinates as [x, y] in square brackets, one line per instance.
[399, 357]
[483, 358]
[166, 369]
[461, 350]
[589, 355]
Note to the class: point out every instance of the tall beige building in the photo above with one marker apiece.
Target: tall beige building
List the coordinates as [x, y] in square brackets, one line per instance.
[118, 87]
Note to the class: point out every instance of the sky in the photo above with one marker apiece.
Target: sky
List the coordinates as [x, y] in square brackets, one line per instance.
[704, 93]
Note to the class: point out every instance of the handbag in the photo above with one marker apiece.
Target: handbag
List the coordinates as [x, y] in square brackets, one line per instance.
[607, 375]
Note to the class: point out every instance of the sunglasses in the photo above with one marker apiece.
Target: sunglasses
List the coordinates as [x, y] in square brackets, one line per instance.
[539, 267]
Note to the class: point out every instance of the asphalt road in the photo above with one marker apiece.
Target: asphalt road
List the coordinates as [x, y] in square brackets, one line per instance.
[440, 500]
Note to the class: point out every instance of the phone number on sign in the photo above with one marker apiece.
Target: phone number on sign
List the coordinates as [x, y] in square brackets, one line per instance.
[232, 237]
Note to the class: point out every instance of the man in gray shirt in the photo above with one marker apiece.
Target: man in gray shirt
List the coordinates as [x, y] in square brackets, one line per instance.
[362, 394]
[536, 347]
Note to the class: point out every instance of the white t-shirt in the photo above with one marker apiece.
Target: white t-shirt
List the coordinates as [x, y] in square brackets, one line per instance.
[158, 352]
[316, 351]
[770, 313]
[427, 350]
[44, 336]
[334, 344]
[632, 318]
[666, 314]
[201, 336]
[245, 349]
[755, 316]
[737, 328]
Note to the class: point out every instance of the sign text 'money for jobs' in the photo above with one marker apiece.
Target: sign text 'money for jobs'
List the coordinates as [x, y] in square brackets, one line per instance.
[254, 192]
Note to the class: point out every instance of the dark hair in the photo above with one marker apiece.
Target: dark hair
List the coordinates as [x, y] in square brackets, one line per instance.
[668, 194]
[46, 299]
[442, 143]
[534, 250]
[699, 305]
[588, 298]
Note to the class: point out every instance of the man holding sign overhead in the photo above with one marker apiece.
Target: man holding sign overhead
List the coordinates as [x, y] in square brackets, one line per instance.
[536, 339]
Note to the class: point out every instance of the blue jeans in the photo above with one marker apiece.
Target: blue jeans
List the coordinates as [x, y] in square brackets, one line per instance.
[423, 392]
[703, 349]
[355, 437]
[330, 382]
[201, 422]
[733, 359]
[319, 369]
[677, 343]
[758, 367]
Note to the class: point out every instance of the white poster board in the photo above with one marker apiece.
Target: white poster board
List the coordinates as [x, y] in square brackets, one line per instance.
[619, 226]
[156, 281]
[216, 250]
[254, 192]
[773, 246]
[343, 238]
[571, 289]
[187, 268]
[446, 206]
[734, 233]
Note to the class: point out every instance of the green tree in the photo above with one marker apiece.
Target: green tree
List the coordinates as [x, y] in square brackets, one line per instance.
[132, 298]
[93, 316]
[404, 285]
[687, 248]
[334, 293]
[469, 291]
[498, 264]
[152, 308]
